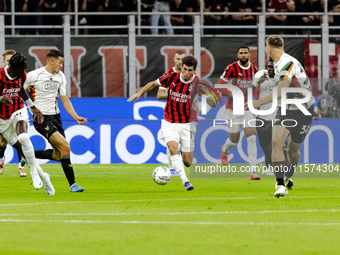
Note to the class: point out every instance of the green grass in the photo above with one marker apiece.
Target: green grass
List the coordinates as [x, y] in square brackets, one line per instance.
[122, 211]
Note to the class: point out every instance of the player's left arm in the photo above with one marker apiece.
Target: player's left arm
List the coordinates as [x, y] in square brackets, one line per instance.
[70, 110]
[269, 98]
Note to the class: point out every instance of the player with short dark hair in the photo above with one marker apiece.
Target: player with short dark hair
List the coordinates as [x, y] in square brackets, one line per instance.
[44, 85]
[264, 81]
[14, 117]
[179, 55]
[289, 73]
[239, 74]
[181, 90]
[178, 127]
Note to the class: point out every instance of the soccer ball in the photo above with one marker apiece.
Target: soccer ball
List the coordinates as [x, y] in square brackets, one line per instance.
[161, 175]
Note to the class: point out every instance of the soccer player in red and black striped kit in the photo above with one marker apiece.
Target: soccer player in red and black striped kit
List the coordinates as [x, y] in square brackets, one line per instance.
[14, 117]
[178, 127]
[179, 55]
[239, 74]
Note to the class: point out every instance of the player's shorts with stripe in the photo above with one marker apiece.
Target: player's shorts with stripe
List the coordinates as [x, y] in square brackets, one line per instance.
[8, 127]
[264, 132]
[182, 133]
[51, 124]
[296, 122]
[236, 122]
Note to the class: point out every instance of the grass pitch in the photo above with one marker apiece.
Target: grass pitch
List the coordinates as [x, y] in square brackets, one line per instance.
[122, 211]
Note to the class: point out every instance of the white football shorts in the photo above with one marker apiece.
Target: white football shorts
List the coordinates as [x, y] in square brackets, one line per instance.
[8, 127]
[182, 133]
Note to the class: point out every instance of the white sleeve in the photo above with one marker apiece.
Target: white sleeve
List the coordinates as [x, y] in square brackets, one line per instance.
[29, 79]
[62, 89]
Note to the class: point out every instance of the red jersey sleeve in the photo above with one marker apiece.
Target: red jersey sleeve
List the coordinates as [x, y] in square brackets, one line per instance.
[163, 81]
[228, 73]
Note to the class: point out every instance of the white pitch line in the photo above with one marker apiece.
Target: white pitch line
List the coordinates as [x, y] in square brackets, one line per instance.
[170, 213]
[167, 199]
[179, 222]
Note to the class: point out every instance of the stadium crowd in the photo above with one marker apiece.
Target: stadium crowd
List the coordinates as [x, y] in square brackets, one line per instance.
[173, 20]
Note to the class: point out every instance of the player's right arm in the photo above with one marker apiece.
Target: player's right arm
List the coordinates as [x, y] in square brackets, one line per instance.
[37, 114]
[162, 94]
[151, 85]
[225, 78]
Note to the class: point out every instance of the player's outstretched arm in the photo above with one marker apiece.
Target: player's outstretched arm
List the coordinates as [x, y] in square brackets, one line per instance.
[146, 88]
[70, 110]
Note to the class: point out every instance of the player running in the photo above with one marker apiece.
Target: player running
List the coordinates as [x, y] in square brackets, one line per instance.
[179, 55]
[7, 54]
[288, 73]
[14, 117]
[264, 80]
[44, 85]
[181, 90]
[239, 74]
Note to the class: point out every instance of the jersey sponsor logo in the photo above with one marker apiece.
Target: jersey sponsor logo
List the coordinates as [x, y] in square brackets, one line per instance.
[269, 88]
[50, 86]
[14, 92]
[179, 97]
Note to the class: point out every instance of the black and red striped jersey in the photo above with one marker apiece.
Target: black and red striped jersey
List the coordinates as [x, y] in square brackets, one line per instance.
[171, 70]
[10, 87]
[179, 107]
[237, 75]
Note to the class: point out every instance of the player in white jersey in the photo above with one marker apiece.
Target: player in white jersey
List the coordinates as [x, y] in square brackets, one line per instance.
[44, 85]
[264, 80]
[288, 73]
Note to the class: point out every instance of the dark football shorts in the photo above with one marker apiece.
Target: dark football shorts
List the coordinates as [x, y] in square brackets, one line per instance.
[296, 122]
[264, 133]
[51, 124]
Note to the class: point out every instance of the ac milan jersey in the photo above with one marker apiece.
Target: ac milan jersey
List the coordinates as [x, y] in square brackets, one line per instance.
[237, 75]
[171, 70]
[181, 97]
[10, 87]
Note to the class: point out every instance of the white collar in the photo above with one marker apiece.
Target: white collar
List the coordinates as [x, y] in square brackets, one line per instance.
[192, 78]
[277, 63]
[8, 76]
[245, 68]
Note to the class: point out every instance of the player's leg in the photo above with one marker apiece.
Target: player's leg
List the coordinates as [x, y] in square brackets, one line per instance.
[250, 133]
[233, 129]
[171, 136]
[187, 133]
[20, 122]
[52, 129]
[3, 145]
[60, 143]
[280, 134]
[264, 134]
[176, 159]
[28, 151]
